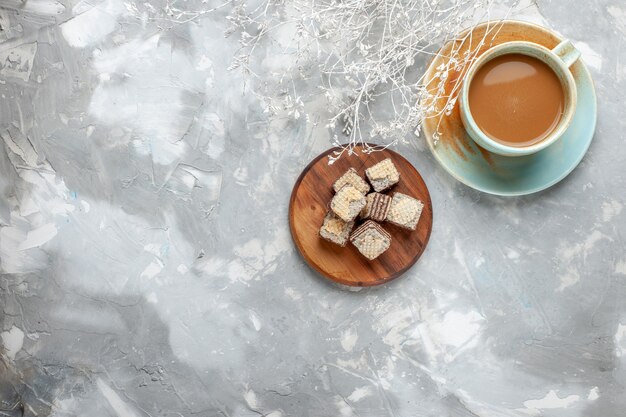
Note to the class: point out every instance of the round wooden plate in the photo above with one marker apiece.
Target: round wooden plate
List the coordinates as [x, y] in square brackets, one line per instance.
[309, 204]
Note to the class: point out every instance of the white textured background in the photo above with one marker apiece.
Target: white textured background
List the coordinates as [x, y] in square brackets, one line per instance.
[147, 269]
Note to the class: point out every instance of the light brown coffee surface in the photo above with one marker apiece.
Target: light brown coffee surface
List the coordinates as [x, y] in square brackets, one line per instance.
[516, 100]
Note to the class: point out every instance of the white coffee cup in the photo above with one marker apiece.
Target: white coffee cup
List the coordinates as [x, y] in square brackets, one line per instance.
[558, 59]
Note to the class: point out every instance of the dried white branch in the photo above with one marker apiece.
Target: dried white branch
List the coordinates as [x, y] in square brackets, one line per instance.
[362, 55]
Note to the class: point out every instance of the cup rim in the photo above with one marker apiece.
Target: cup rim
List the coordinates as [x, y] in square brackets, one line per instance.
[569, 90]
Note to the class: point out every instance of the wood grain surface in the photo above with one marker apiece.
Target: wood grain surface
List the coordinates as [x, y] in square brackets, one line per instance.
[309, 204]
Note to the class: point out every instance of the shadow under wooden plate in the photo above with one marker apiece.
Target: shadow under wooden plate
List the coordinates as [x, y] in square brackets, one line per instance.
[309, 204]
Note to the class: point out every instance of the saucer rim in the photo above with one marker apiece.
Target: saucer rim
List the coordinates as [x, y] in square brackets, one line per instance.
[566, 172]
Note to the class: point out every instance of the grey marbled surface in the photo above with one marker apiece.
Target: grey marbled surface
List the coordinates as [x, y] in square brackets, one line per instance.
[147, 268]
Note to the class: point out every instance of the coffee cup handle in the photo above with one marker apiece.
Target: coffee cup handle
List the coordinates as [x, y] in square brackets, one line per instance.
[567, 52]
